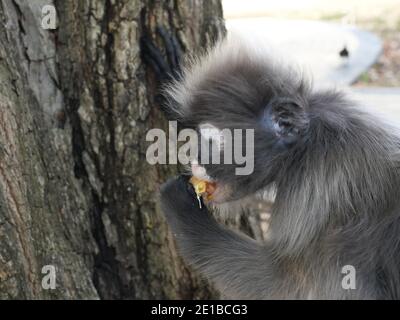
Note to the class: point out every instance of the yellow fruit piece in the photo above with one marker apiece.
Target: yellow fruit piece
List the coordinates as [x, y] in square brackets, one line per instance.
[200, 186]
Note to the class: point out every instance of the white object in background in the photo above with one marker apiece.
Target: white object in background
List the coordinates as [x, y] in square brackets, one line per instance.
[315, 46]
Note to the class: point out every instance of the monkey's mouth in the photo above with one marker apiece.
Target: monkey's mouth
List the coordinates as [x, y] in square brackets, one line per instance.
[221, 192]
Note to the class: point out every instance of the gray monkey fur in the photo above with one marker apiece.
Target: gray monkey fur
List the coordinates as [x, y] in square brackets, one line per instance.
[335, 169]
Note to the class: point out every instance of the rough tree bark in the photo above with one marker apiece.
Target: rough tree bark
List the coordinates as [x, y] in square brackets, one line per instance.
[75, 189]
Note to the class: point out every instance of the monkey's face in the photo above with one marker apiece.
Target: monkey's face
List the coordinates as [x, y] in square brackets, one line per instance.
[253, 112]
[245, 157]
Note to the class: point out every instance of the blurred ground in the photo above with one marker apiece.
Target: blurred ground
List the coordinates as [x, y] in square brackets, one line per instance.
[379, 16]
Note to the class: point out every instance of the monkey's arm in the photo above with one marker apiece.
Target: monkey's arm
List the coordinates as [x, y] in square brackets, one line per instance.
[237, 264]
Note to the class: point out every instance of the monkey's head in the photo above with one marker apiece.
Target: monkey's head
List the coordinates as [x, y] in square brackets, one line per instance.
[233, 88]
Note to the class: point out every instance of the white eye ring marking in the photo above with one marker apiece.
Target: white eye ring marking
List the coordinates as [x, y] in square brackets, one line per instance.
[210, 132]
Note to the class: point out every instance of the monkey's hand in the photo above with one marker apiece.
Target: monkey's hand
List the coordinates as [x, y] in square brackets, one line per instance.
[218, 252]
[181, 207]
[165, 66]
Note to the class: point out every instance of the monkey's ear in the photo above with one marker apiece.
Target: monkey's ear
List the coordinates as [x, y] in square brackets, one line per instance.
[289, 119]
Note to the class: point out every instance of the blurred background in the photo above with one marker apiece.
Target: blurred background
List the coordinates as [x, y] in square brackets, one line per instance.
[381, 17]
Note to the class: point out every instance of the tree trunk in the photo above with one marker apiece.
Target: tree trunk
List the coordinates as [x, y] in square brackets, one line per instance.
[75, 189]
